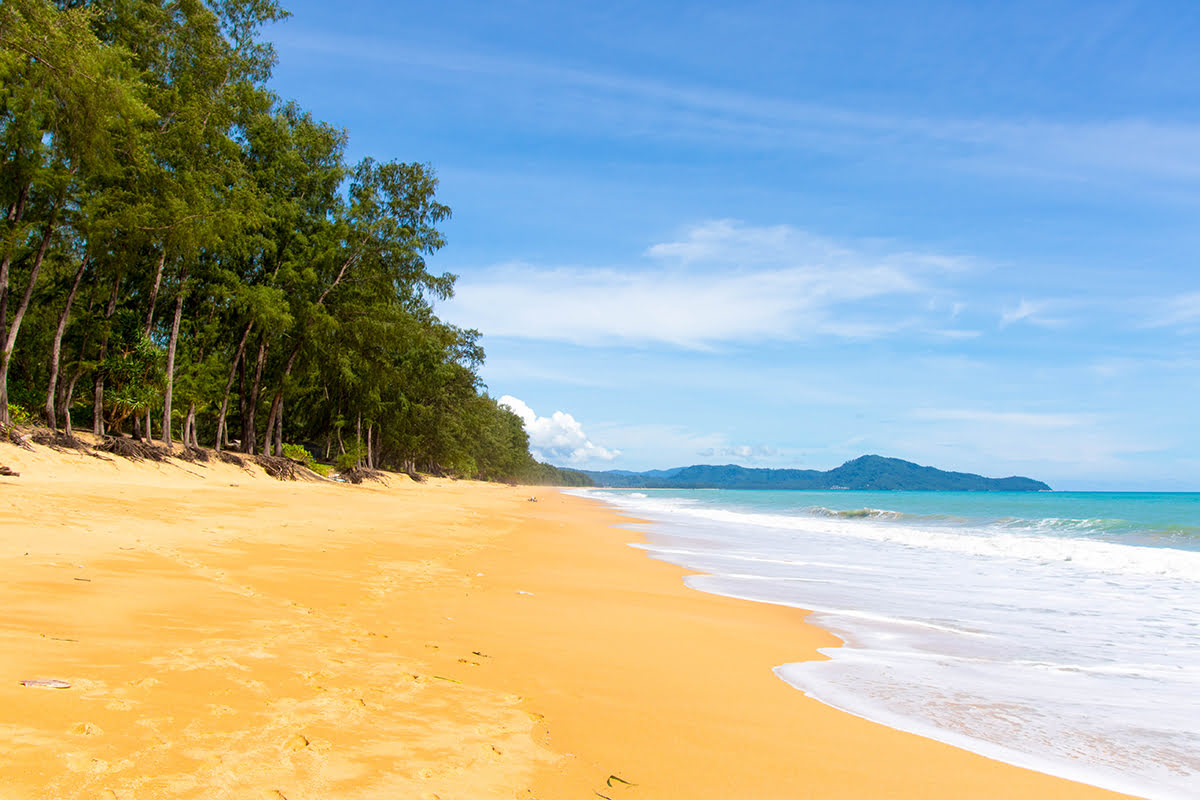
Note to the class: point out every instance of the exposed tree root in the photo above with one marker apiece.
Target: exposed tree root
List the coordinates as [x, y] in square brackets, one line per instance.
[194, 454]
[133, 449]
[60, 442]
[231, 458]
[278, 467]
[359, 474]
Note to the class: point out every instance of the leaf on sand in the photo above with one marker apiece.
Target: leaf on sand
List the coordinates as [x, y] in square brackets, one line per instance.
[46, 684]
[612, 778]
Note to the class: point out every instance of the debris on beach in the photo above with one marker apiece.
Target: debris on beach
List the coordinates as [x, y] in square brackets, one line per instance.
[8, 472]
[20, 439]
[40, 683]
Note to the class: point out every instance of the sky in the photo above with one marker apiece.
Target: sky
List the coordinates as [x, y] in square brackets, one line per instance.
[786, 234]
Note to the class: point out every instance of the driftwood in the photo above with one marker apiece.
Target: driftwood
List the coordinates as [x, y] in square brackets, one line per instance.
[8, 472]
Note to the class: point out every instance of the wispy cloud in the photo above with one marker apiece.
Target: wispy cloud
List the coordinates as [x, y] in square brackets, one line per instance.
[1032, 312]
[744, 453]
[591, 101]
[1183, 310]
[1080, 444]
[1010, 418]
[721, 282]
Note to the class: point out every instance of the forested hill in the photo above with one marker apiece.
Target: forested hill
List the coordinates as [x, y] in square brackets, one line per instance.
[864, 473]
[188, 257]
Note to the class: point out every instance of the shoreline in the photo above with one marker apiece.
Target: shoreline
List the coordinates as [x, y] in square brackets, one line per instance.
[227, 632]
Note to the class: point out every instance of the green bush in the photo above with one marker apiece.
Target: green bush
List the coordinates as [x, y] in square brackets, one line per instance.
[355, 452]
[18, 414]
[321, 469]
[297, 452]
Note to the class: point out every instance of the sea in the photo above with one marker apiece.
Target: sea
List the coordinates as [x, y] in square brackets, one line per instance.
[1058, 631]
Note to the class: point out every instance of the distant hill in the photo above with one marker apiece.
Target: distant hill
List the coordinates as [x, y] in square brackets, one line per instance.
[863, 473]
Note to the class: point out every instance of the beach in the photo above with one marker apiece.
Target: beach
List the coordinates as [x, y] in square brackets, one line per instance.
[225, 634]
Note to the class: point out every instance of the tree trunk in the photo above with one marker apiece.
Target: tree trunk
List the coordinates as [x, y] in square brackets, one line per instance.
[167, 395]
[249, 432]
[279, 431]
[190, 439]
[98, 388]
[358, 442]
[277, 401]
[158, 273]
[237, 358]
[15, 213]
[56, 348]
[66, 405]
[10, 338]
[370, 456]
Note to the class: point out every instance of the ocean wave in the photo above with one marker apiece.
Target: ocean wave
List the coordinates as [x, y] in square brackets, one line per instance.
[854, 513]
[1027, 540]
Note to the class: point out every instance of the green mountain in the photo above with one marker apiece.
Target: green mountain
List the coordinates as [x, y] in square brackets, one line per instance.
[863, 473]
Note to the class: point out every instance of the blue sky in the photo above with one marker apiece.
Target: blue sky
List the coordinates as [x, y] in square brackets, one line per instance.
[787, 234]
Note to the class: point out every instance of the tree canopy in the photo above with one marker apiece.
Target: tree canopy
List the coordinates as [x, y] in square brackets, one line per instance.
[186, 255]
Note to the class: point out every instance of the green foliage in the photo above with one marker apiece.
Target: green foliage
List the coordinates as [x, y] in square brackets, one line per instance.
[540, 474]
[19, 415]
[354, 455]
[132, 370]
[297, 452]
[173, 204]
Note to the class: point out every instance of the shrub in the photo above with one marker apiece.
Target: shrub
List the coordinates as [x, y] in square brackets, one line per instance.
[297, 452]
[18, 414]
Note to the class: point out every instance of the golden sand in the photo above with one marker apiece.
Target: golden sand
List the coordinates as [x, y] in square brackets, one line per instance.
[226, 635]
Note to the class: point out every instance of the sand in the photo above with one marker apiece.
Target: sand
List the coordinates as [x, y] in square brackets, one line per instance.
[225, 634]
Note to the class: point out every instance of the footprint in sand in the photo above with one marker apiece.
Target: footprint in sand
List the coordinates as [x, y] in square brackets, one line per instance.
[86, 729]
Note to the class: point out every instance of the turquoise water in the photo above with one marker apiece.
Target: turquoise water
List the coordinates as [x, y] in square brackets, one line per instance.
[1058, 631]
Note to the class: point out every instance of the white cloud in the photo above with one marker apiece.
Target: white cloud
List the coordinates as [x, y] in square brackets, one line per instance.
[721, 282]
[558, 438]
